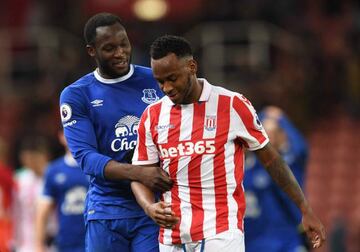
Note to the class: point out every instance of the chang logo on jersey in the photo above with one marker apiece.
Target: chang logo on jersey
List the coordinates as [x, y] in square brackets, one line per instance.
[149, 96]
[188, 149]
[74, 201]
[125, 128]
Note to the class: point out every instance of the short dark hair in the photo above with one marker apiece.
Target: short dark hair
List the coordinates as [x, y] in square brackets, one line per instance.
[166, 44]
[100, 19]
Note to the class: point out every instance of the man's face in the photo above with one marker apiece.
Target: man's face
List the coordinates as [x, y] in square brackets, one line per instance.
[175, 77]
[111, 50]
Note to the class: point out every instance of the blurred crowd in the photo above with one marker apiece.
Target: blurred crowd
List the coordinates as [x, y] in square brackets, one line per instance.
[312, 70]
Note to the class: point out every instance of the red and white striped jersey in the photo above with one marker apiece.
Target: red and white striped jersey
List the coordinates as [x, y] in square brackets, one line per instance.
[201, 146]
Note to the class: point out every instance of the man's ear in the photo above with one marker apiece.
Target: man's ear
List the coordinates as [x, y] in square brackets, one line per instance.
[90, 50]
[193, 66]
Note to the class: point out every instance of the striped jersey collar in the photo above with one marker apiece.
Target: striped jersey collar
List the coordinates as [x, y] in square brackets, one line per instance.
[112, 81]
[205, 93]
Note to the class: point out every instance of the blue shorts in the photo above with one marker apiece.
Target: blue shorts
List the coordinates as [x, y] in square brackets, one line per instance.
[126, 235]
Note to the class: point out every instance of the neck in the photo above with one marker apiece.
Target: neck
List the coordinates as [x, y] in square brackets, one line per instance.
[194, 90]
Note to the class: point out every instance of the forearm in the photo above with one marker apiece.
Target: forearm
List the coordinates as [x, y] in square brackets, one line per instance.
[282, 175]
[116, 171]
[144, 196]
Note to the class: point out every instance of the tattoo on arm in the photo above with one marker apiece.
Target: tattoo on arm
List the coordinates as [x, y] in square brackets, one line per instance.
[282, 175]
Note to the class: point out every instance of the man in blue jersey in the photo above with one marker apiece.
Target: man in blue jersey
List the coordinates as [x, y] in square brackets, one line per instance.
[65, 187]
[100, 114]
[271, 222]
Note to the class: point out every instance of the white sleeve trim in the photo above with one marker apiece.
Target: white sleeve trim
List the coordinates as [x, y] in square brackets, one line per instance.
[258, 147]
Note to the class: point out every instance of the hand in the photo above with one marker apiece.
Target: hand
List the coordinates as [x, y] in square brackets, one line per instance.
[161, 213]
[313, 228]
[155, 178]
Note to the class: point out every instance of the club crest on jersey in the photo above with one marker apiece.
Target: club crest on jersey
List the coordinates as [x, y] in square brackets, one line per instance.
[125, 128]
[210, 123]
[149, 96]
[65, 112]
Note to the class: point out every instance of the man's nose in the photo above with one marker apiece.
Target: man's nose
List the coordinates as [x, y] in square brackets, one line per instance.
[167, 87]
[119, 51]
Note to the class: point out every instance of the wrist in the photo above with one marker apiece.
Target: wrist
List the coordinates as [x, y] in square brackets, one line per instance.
[147, 208]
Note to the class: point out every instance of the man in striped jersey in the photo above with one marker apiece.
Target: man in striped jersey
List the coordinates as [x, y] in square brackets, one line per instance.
[198, 133]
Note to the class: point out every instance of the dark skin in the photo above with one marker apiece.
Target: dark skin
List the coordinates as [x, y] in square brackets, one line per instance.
[111, 51]
[177, 78]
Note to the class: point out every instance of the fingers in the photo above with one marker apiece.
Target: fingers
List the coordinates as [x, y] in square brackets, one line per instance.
[164, 216]
[163, 183]
[317, 237]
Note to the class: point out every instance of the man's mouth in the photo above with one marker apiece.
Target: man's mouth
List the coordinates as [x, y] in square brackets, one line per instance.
[122, 63]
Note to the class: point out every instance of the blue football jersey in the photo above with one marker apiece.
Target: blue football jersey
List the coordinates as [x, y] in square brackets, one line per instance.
[268, 208]
[66, 185]
[100, 119]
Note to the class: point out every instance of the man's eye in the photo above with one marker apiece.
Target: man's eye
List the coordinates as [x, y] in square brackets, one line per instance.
[108, 49]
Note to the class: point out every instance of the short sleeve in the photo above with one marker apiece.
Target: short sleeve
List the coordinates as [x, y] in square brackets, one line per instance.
[145, 151]
[248, 128]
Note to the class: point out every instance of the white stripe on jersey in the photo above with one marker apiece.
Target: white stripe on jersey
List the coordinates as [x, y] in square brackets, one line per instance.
[231, 184]
[184, 195]
[187, 114]
[164, 121]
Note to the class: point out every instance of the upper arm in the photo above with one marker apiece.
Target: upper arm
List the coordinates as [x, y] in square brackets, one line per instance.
[247, 125]
[80, 133]
[78, 129]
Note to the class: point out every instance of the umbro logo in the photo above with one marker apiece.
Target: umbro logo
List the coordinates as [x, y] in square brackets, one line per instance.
[97, 103]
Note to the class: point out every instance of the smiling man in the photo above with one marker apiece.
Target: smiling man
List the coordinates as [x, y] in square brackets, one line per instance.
[100, 114]
[199, 132]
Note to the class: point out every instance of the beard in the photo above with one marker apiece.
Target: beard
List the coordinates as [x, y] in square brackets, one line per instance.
[110, 72]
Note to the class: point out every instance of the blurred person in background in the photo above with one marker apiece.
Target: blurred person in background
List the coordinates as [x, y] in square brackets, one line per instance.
[198, 133]
[34, 157]
[100, 114]
[65, 187]
[6, 192]
[271, 219]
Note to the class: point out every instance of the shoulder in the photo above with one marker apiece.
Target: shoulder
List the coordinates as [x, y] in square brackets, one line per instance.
[218, 90]
[142, 70]
[76, 87]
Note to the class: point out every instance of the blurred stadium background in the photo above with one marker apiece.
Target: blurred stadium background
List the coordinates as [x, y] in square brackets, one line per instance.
[303, 56]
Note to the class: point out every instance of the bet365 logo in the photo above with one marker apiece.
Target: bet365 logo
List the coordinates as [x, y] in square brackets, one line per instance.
[188, 149]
